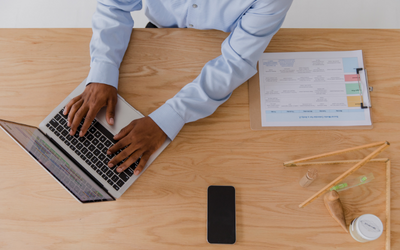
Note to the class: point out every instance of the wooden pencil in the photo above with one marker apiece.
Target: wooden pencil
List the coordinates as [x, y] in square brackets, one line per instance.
[388, 205]
[293, 163]
[345, 174]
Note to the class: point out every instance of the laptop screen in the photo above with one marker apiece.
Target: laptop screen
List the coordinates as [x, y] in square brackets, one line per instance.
[56, 163]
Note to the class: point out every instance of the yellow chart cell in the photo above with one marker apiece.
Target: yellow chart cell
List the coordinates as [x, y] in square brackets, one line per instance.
[353, 101]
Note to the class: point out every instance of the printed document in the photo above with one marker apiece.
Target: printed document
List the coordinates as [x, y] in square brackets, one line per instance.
[313, 89]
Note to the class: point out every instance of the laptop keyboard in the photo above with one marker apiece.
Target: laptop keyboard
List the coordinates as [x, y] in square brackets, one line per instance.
[92, 148]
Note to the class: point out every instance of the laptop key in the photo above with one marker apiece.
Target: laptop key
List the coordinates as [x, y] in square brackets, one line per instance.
[72, 147]
[57, 117]
[102, 139]
[107, 143]
[51, 129]
[91, 148]
[62, 138]
[74, 141]
[99, 164]
[89, 155]
[105, 169]
[78, 152]
[88, 162]
[84, 150]
[110, 173]
[114, 178]
[83, 157]
[92, 130]
[104, 177]
[48, 125]
[96, 152]
[95, 141]
[62, 114]
[120, 183]
[81, 139]
[57, 134]
[105, 132]
[93, 166]
[67, 143]
[86, 143]
[54, 123]
[64, 132]
[100, 146]
[106, 161]
[79, 146]
[110, 182]
[94, 159]
[123, 176]
[99, 171]
[69, 137]
[116, 187]
[97, 134]
[129, 171]
[90, 137]
[62, 121]
[101, 157]
[60, 128]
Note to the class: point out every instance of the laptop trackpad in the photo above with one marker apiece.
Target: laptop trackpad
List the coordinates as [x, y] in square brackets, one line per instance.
[124, 114]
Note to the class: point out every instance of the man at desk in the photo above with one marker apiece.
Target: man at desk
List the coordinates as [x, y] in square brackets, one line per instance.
[251, 24]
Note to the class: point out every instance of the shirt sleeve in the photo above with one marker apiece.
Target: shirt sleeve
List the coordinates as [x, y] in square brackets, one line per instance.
[219, 77]
[112, 27]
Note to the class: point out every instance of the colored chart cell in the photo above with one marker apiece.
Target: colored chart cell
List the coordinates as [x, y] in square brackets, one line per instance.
[353, 101]
[350, 64]
[351, 78]
[352, 88]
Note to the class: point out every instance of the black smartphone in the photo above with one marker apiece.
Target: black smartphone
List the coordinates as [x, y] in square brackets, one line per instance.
[221, 215]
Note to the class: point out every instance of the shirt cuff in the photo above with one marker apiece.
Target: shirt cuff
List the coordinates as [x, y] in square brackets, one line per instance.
[101, 72]
[168, 120]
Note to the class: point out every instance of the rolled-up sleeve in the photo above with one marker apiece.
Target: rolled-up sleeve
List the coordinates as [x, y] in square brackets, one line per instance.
[112, 27]
[219, 77]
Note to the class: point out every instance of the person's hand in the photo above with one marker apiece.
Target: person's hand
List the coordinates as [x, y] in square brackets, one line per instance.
[94, 97]
[142, 137]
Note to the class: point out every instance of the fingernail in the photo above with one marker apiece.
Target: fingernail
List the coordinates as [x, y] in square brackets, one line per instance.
[136, 172]
[119, 170]
[69, 124]
[70, 132]
[112, 121]
[108, 152]
[110, 165]
[65, 111]
[81, 134]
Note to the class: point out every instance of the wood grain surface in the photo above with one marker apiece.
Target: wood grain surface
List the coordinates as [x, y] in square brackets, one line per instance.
[166, 207]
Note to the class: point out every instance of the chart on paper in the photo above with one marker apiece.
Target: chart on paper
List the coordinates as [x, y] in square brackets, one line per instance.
[313, 89]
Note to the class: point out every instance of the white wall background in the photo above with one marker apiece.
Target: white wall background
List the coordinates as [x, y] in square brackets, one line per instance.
[303, 14]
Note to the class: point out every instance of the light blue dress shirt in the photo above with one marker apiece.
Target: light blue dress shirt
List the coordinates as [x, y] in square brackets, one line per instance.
[251, 24]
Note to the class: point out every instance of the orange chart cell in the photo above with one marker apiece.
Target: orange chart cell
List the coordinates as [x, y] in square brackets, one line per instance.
[353, 101]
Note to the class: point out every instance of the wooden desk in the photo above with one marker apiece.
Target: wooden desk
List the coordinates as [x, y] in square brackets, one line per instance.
[166, 207]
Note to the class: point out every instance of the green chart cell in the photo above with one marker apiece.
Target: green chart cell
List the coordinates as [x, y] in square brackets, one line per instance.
[352, 88]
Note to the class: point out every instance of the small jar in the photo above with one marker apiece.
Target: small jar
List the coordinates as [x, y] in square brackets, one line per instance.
[309, 177]
[367, 227]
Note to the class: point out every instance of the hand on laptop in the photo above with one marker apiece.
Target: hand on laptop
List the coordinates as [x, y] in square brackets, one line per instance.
[142, 138]
[94, 97]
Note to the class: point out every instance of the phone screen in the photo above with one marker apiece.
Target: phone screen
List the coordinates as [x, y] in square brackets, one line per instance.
[221, 216]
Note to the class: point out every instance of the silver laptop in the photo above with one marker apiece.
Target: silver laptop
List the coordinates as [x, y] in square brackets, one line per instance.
[79, 164]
